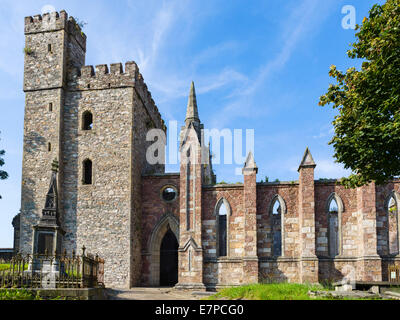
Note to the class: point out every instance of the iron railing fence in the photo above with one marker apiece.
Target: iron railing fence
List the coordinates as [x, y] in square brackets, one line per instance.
[53, 271]
[394, 273]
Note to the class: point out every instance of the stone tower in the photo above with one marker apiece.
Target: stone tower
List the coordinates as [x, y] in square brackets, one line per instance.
[53, 45]
[94, 121]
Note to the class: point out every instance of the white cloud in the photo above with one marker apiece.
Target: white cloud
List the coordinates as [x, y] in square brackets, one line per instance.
[327, 168]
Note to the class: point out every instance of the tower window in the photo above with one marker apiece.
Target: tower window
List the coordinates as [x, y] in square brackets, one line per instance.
[50, 106]
[87, 121]
[49, 47]
[49, 147]
[87, 171]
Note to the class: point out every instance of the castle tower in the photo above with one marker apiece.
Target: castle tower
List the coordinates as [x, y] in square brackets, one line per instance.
[191, 174]
[306, 205]
[95, 121]
[53, 45]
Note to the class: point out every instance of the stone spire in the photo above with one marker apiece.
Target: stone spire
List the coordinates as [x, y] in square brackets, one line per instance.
[307, 160]
[50, 211]
[192, 114]
[250, 164]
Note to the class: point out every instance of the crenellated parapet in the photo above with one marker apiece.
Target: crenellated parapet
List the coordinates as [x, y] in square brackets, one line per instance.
[102, 77]
[55, 21]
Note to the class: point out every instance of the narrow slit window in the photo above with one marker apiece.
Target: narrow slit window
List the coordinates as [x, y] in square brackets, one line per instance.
[276, 228]
[87, 171]
[393, 235]
[49, 146]
[333, 229]
[87, 121]
[50, 106]
[222, 230]
[49, 47]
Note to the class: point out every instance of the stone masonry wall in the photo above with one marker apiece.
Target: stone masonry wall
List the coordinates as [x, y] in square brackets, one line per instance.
[101, 213]
[106, 215]
[52, 43]
[223, 270]
[154, 209]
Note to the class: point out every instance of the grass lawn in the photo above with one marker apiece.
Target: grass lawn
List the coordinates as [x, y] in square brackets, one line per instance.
[20, 294]
[274, 291]
[6, 267]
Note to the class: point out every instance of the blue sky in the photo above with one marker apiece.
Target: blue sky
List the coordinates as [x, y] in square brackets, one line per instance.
[258, 65]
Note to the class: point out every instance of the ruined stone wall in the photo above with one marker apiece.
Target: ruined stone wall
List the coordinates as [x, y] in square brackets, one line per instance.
[386, 223]
[285, 267]
[265, 196]
[349, 226]
[223, 270]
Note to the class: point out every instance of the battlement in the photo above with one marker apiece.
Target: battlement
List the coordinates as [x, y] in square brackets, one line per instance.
[55, 21]
[102, 77]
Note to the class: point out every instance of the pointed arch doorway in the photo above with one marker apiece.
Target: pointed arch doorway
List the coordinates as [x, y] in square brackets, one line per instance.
[169, 260]
[161, 243]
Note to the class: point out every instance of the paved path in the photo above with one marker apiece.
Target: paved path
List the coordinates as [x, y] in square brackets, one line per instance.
[155, 294]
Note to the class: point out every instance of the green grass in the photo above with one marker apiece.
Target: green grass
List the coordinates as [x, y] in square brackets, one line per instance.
[273, 291]
[4, 266]
[18, 294]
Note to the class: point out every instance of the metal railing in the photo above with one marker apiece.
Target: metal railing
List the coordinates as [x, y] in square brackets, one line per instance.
[394, 273]
[53, 271]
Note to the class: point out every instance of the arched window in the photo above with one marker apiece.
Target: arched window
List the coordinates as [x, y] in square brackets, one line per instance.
[87, 171]
[222, 214]
[87, 121]
[393, 224]
[277, 210]
[334, 211]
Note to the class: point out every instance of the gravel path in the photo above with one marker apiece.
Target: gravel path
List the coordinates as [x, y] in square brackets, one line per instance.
[155, 294]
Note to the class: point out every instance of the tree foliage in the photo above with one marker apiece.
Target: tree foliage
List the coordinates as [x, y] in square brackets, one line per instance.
[367, 128]
[3, 174]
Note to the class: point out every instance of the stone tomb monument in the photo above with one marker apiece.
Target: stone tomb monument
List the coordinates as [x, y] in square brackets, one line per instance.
[47, 238]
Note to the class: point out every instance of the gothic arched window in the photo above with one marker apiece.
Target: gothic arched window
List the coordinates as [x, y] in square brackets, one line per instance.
[393, 224]
[222, 214]
[334, 211]
[87, 120]
[333, 229]
[277, 209]
[87, 171]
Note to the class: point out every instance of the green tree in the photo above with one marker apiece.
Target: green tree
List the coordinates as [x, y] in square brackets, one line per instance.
[367, 128]
[3, 174]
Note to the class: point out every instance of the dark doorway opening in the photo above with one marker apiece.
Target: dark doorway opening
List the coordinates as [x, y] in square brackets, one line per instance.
[169, 260]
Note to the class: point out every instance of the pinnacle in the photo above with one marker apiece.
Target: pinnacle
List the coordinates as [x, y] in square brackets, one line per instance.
[307, 160]
[250, 164]
[192, 113]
